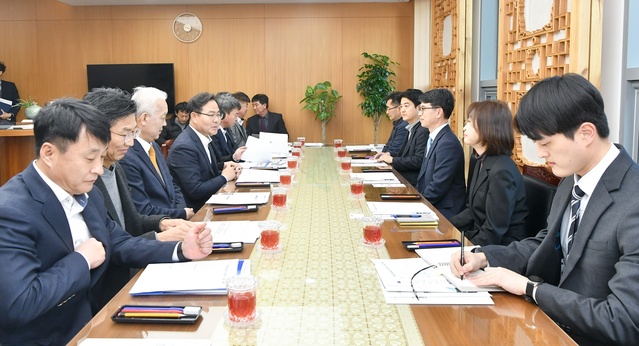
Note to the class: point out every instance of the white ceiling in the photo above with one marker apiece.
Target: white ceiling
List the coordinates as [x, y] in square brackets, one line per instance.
[200, 2]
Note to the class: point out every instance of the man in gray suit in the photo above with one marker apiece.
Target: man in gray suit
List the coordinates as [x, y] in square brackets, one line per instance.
[237, 131]
[583, 268]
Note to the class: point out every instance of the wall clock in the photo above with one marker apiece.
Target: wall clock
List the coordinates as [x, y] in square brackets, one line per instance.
[187, 27]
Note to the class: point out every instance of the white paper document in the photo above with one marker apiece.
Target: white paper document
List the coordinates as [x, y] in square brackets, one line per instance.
[388, 210]
[259, 176]
[367, 163]
[276, 142]
[430, 298]
[256, 151]
[239, 198]
[234, 231]
[377, 177]
[144, 342]
[441, 258]
[197, 277]
[314, 145]
[368, 147]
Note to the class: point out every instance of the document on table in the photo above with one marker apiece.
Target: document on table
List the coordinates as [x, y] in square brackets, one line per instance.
[197, 277]
[387, 210]
[367, 163]
[276, 142]
[441, 258]
[234, 231]
[430, 285]
[377, 177]
[239, 198]
[259, 176]
[368, 147]
[144, 342]
[256, 151]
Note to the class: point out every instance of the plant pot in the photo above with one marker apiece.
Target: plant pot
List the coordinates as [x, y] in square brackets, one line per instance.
[32, 111]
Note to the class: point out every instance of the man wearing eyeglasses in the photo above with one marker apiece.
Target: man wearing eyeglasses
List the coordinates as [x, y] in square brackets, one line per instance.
[152, 187]
[264, 120]
[119, 110]
[399, 132]
[192, 159]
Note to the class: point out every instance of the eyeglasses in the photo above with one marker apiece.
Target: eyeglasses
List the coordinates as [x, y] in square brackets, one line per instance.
[216, 114]
[425, 108]
[129, 136]
[414, 275]
[391, 108]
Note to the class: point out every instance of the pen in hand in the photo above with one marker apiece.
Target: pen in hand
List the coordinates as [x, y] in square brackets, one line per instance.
[463, 238]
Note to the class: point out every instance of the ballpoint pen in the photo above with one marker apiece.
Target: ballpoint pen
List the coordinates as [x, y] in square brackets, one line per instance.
[463, 238]
[407, 215]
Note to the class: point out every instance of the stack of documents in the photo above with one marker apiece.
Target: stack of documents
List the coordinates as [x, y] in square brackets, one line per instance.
[402, 211]
[239, 198]
[377, 177]
[197, 277]
[259, 176]
[441, 258]
[430, 285]
[234, 231]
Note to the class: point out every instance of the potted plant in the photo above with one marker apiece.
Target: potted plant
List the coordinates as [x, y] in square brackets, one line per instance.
[322, 100]
[374, 86]
[30, 106]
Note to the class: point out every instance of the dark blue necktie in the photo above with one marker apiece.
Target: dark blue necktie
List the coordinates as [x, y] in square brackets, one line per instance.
[81, 199]
[575, 202]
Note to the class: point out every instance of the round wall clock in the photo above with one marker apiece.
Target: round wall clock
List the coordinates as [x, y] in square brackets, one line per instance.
[187, 27]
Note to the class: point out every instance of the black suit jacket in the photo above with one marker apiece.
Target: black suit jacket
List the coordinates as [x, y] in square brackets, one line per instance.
[411, 155]
[136, 224]
[46, 287]
[170, 131]
[496, 207]
[10, 92]
[275, 124]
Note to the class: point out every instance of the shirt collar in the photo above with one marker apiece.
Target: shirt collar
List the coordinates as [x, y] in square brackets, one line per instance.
[409, 127]
[145, 145]
[434, 134]
[62, 196]
[589, 181]
[204, 139]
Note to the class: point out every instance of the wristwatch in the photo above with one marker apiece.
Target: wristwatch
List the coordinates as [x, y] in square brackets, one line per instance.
[533, 281]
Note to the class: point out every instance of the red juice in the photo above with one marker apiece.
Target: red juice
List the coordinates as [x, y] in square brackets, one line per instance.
[296, 153]
[338, 145]
[270, 239]
[357, 188]
[279, 200]
[341, 153]
[285, 179]
[241, 306]
[292, 164]
[346, 165]
[372, 234]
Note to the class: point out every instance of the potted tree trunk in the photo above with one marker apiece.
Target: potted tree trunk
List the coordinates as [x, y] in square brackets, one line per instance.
[321, 100]
[374, 86]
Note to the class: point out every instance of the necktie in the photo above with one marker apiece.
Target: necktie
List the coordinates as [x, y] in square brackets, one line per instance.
[263, 124]
[154, 159]
[428, 145]
[81, 199]
[575, 202]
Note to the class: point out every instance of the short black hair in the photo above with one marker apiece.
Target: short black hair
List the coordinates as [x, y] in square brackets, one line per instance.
[242, 97]
[61, 121]
[441, 98]
[395, 97]
[493, 122]
[198, 101]
[560, 104]
[182, 106]
[261, 98]
[3, 67]
[114, 103]
[412, 95]
[227, 102]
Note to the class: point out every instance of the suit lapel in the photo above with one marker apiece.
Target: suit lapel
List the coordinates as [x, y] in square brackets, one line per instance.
[144, 156]
[108, 203]
[200, 148]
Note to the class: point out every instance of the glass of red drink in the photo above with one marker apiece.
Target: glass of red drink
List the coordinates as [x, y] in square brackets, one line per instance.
[297, 152]
[270, 235]
[242, 300]
[372, 228]
[292, 162]
[345, 164]
[297, 144]
[279, 198]
[286, 177]
[341, 152]
[337, 143]
[357, 187]
[301, 140]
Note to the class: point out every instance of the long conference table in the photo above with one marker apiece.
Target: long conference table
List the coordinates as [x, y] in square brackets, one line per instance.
[322, 289]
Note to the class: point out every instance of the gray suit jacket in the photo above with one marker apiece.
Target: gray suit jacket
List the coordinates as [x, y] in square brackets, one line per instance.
[595, 298]
[238, 135]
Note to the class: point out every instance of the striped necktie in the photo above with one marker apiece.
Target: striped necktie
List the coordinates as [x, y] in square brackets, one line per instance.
[575, 203]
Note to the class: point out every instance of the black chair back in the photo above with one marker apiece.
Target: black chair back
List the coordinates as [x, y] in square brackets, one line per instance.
[540, 190]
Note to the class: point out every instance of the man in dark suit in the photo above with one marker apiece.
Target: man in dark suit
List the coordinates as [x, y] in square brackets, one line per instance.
[8, 91]
[175, 125]
[441, 177]
[119, 110]
[229, 107]
[56, 240]
[409, 159]
[399, 132]
[237, 131]
[192, 158]
[582, 269]
[264, 120]
[153, 190]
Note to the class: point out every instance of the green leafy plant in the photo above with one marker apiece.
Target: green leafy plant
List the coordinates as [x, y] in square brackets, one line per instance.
[374, 86]
[321, 100]
[28, 102]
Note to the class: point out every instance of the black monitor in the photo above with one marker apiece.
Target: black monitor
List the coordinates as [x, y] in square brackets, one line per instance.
[129, 76]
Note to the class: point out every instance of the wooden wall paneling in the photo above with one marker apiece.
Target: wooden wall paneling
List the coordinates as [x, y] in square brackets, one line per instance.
[252, 11]
[17, 10]
[55, 10]
[328, 10]
[393, 37]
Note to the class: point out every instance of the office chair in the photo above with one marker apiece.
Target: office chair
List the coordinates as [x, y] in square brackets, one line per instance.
[166, 146]
[540, 186]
